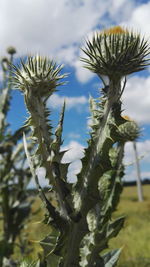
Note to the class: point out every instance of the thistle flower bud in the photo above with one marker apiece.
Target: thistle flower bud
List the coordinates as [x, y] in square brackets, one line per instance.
[39, 76]
[116, 52]
[5, 60]
[5, 63]
[128, 131]
[11, 50]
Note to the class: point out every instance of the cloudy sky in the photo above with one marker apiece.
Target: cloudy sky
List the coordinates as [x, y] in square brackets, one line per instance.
[58, 29]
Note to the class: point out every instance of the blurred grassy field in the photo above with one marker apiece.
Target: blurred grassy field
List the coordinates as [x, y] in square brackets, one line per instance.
[134, 238]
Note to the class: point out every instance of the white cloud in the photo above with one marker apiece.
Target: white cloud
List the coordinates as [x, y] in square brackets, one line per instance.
[47, 25]
[89, 123]
[140, 19]
[67, 54]
[143, 149]
[58, 28]
[120, 10]
[74, 154]
[136, 99]
[79, 103]
[41, 173]
[75, 151]
[82, 74]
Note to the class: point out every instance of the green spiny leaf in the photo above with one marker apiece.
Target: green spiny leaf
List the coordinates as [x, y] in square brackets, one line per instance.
[111, 258]
[28, 263]
[114, 227]
[53, 260]
[49, 242]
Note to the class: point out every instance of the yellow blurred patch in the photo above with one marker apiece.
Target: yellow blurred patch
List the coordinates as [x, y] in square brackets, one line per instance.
[115, 30]
[127, 118]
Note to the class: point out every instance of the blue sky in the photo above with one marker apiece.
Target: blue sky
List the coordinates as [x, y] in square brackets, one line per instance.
[58, 29]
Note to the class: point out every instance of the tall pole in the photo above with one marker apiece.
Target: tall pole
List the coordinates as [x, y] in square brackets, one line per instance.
[138, 181]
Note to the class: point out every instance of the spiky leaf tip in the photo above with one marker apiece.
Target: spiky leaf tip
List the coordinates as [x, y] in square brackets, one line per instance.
[39, 76]
[116, 52]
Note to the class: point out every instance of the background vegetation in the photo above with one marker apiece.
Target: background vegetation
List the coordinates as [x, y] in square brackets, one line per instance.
[133, 238]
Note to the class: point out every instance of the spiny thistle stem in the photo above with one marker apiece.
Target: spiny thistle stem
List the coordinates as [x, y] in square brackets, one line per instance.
[37, 112]
[115, 53]
[43, 78]
[51, 210]
[94, 158]
[6, 64]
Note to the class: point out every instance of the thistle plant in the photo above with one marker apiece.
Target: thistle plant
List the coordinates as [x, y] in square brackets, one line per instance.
[14, 175]
[81, 221]
[138, 181]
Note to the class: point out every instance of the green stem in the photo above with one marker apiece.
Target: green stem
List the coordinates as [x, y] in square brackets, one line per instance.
[76, 233]
[37, 110]
[94, 157]
[93, 160]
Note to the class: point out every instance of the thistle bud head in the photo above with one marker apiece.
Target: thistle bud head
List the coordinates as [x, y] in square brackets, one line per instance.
[11, 50]
[116, 52]
[128, 131]
[38, 75]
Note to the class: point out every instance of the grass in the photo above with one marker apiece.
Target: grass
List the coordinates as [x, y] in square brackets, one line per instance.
[134, 238]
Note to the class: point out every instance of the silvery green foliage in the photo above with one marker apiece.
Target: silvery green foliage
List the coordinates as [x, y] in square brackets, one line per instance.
[14, 176]
[27, 263]
[80, 214]
[129, 131]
